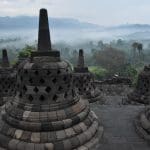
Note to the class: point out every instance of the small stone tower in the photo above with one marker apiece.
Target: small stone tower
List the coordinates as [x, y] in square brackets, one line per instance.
[5, 61]
[141, 94]
[46, 113]
[7, 79]
[84, 81]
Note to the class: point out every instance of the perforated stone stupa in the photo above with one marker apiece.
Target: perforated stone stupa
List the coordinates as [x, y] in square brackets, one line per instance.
[20, 60]
[142, 124]
[141, 94]
[84, 81]
[7, 79]
[46, 113]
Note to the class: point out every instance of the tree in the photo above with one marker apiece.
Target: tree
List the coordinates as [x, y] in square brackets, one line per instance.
[91, 44]
[119, 42]
[100, 45]
[137, 47]
[140, 48]
[111, 59]
[99, 73]
[74, 57]
[134, 46]
[26, 51]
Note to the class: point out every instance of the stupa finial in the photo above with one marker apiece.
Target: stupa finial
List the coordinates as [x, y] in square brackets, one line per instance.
[44, 41]
[5, 61]
[81, 59]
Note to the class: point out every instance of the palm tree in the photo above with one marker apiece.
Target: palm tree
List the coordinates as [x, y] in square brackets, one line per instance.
[140, 48]
[134, 46]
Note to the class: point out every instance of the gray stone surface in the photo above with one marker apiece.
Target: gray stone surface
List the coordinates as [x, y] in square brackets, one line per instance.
[83, 80]
[141, 93]
[114, 89]
[46, 107]
[118, 122]
[7, 79]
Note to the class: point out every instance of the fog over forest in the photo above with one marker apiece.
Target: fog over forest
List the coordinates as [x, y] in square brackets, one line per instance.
[121, 49]
[18, 31]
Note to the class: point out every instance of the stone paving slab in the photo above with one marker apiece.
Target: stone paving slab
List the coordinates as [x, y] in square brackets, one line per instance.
[118, 122]
[119, 131]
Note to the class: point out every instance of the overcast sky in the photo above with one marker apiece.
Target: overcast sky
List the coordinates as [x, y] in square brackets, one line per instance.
[103, 12]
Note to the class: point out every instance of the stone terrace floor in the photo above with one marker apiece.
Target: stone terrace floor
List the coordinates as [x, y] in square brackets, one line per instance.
[118, 122]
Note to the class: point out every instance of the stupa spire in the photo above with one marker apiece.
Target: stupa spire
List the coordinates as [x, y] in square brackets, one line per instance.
[81, 59]
[44, 42]
[80, 64]
[5, 61]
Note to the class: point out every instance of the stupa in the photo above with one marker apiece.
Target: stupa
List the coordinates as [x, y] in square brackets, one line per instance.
[84, 81]
[5, 61]
[46, 113]
[19, 61]
[7, 79]
[142, 124]
[141, 94]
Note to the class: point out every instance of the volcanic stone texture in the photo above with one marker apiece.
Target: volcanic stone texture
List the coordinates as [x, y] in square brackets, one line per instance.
[19, 61]
[7, 83]
[116, 86]
[141, 94]
[46, 112]
[7, 79]
[143, 124]
[85, 87]
[84, 81]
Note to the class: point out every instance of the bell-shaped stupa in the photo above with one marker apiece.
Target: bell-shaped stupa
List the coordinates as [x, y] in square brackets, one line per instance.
[141, 94]
[7, 79]
[46, 113]
[142, 124]
[84, 81]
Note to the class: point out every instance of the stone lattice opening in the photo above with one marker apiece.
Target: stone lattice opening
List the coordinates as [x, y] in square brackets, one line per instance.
[65, 78]
[36, 90]
[48, 89]
[42, 98]
[58, 72]
[65, 96]
[36, 73]
[30, 97]
[55, 97]
[42, 81]
[30, 80]
[48, 72]
[24, 88]
[54, 80]
[25, 72]
[60, 88]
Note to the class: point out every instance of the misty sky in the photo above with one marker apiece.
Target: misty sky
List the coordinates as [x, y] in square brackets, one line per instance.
[103, 12]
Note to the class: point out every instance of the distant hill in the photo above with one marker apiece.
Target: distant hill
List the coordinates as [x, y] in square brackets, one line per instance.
[32, 22]
[132, 26]
[139, 35]
[69, 29]
[27, 22]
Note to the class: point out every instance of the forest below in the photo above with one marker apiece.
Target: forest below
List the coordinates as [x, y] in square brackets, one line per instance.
[118, 57]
